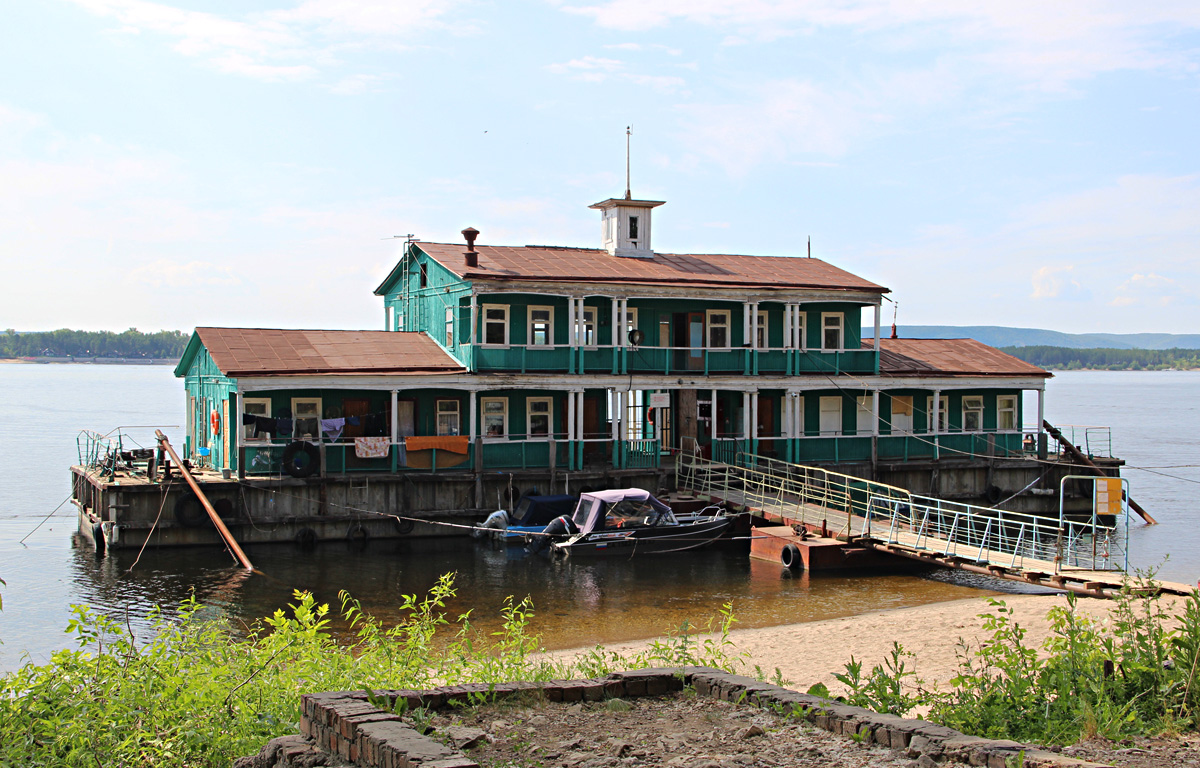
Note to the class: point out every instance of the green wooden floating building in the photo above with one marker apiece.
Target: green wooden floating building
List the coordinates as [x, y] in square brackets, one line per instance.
[544, 356]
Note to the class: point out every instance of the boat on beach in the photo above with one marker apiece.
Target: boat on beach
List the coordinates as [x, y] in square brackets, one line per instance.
[628, 522]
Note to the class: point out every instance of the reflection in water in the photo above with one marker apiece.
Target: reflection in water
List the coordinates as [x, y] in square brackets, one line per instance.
[577, 602]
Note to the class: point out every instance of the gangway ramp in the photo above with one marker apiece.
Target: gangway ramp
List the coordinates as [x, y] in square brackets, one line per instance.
[1088, 557]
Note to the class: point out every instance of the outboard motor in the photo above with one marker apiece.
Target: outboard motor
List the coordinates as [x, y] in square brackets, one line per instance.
[497, 521]
[559, 527]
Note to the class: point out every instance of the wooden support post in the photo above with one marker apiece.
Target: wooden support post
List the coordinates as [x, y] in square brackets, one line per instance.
[230, 542]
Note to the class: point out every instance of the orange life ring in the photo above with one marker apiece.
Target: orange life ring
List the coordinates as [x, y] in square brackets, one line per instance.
[215, 420]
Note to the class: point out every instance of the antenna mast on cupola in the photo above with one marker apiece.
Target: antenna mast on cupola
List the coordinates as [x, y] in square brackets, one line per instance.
[628, 133]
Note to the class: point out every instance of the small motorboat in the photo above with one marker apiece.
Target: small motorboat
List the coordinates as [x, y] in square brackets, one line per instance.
[531, 515]
[627, 522]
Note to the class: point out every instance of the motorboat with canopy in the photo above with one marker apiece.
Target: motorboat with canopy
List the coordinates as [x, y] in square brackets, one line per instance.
[629, 521]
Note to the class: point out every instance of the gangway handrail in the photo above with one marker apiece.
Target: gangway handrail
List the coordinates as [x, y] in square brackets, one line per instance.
[812, 495]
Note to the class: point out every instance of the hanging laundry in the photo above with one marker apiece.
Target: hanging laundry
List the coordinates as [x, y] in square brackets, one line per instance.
[332, 428]
[248, 419]
[283, 427]
[264, 426]
[371, 447]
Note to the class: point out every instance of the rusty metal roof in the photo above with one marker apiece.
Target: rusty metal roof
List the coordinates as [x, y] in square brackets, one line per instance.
[596, 265]
[274, 351]
[948, 357]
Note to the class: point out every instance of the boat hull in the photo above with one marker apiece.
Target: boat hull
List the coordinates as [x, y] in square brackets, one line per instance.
[643, 541]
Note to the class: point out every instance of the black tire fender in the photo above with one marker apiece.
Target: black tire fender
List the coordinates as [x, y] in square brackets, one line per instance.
[189, 512]
[300, 459]
[791, 557]
[98, 538]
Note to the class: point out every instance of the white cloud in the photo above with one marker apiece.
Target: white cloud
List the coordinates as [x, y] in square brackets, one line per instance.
[293, 43]
[1048, 282]
[1047, 43]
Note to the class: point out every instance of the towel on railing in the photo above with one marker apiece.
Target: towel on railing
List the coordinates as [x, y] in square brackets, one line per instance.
[371, 447]
[453, 444]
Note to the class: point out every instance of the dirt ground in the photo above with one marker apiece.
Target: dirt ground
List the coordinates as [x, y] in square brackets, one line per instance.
[689, 731]
[681, 731]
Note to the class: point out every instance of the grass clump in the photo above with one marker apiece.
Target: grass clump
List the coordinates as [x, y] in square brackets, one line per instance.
[194, 694]
[1134, 673]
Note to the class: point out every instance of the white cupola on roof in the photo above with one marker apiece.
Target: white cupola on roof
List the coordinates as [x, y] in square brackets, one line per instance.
[626, 226]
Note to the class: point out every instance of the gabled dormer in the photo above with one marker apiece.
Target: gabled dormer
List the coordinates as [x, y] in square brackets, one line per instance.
[626, 226]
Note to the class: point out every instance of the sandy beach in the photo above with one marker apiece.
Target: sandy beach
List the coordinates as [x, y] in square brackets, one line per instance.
[812, 652]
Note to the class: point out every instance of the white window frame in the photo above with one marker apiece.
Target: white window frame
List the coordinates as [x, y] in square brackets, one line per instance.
[590, 328]
[710, 326]
[1007, 404]
[761, 334]
[485, 320]
[439, 412]
[296, 403]
[943, 414]
[864, 415]
[530, 402]
[801, 319]
[449, 327]
[549, 326]
[483, 418]
[399, 321]
[972, 404]
[841, 330]
[906, 429]
[824, 400]
[248, 436]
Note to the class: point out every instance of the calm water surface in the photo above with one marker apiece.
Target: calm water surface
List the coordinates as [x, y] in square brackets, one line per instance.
[43, 407]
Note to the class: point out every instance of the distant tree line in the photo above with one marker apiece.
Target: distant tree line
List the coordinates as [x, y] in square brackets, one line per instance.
[1067, 359]
[133, 343]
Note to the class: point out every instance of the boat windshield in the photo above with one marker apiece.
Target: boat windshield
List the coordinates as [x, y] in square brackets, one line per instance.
[629, 513]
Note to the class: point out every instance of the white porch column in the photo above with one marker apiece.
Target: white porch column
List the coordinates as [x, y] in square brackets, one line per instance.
[875, 410]
[622, 314]
[754, 326]
[935, 418]
[579, 415]
[797, 415]
[787, 326]
[239, 430]
[745, 415]
[797, 328]
[746, 337]
[570, 415]
[395, 417]
[754, 415]
[616, 328]
[580, 330]
[471, 336]
[1041, 425]
[473, 425]
[878, 307]
[712, 424]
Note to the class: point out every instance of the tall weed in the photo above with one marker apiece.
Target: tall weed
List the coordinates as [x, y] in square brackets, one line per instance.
[192, 694]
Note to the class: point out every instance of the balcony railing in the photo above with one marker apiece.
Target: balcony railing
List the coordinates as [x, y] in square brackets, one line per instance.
[669, 360]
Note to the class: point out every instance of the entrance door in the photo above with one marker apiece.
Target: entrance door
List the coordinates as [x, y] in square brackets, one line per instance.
[593, 428]
[688, 410]
[689, 341]
[766, 425]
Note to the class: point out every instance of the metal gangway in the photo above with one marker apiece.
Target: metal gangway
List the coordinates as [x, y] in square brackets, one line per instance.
[1089, 557]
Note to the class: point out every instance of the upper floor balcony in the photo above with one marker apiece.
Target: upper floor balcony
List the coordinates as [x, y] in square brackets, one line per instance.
[698, 336]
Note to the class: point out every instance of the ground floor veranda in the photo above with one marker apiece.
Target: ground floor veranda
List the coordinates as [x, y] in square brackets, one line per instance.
[485, 425]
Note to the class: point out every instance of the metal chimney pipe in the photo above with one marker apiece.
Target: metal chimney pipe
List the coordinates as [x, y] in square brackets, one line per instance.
[471, 256]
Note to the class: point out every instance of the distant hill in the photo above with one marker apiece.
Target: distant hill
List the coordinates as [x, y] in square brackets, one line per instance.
[1001, 336]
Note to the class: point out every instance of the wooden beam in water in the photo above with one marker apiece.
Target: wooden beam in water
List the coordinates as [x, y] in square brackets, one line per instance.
[230, 542]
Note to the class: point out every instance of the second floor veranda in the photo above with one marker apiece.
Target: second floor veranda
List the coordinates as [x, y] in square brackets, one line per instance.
[701, 337]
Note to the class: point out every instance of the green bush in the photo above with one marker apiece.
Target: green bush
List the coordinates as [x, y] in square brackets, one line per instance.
[195, 694]
[1134, 673]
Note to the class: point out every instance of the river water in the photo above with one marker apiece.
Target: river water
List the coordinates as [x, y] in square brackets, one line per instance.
[42, 408]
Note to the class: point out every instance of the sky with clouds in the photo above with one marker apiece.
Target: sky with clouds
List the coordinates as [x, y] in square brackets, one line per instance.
[174, 163]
